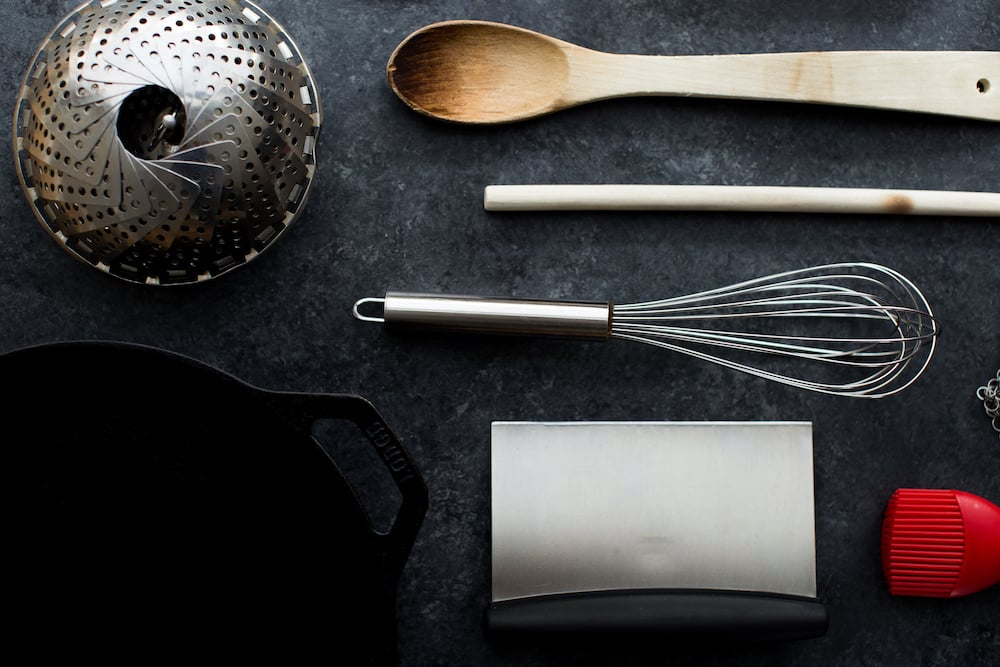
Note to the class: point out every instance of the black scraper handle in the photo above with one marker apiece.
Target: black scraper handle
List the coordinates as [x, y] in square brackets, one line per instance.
[723, 615]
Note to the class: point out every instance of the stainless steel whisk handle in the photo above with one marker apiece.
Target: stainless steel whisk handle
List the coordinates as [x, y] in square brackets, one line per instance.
[566, 319]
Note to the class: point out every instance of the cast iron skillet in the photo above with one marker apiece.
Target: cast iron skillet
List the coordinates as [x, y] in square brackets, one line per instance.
[152, 506]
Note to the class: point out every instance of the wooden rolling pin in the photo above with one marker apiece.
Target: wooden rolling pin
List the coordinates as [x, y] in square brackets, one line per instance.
[739, 198]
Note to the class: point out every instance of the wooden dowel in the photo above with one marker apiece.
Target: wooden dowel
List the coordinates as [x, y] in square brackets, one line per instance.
[739, 198]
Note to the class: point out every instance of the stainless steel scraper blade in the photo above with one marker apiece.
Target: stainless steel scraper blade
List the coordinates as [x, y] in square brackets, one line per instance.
[592, 506]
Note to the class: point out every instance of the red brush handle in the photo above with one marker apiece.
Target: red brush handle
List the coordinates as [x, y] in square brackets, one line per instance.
[981, 567]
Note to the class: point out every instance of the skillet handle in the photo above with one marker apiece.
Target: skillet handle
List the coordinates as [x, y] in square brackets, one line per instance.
[301, 411]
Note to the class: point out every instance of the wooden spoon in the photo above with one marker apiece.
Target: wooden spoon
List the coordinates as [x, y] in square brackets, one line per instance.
[483, 72]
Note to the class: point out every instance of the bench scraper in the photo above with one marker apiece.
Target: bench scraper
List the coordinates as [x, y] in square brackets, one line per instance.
[654, 527]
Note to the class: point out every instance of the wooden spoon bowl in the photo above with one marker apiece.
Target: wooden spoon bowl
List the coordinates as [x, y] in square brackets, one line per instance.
[479, 72]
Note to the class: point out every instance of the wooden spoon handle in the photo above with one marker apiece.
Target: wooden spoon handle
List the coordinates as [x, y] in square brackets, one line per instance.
[738, 198]
[955, 83]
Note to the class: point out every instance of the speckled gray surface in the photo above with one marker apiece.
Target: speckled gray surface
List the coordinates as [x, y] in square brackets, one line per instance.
[398, 204]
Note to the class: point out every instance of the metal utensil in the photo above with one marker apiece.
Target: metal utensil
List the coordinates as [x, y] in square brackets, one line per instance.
[989, 394]
[484, 72]
[165, 144]
[867, 329]
[654, 527]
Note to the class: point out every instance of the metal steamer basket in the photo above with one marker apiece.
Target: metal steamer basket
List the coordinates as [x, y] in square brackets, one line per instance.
[167, 142]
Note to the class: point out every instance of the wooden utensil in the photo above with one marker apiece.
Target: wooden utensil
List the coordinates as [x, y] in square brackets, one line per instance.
[780, 199]
[482, 72]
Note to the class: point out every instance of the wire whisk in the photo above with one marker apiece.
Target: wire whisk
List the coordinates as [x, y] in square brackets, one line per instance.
[867, 329]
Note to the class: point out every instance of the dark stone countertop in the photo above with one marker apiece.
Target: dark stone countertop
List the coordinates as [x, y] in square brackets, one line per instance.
[398, 205]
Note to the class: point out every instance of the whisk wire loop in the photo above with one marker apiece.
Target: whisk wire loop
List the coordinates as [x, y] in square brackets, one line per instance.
[890, 333]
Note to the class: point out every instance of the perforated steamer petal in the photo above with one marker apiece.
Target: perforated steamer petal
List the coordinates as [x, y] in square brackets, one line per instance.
[167, 142]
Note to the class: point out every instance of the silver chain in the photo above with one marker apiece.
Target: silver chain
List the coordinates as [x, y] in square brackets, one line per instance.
[989, 394]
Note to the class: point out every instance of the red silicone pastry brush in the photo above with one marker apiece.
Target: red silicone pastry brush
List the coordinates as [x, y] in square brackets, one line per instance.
[940, 543]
